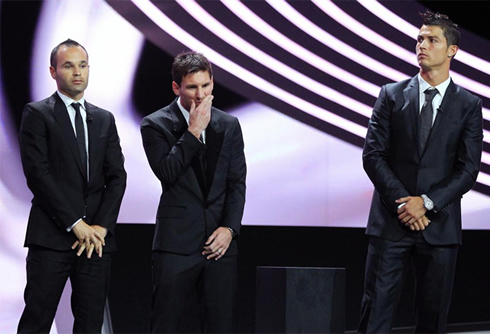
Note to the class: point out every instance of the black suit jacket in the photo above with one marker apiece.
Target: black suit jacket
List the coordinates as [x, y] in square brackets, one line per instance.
[53, 169]
[446, 169]
[195, 200]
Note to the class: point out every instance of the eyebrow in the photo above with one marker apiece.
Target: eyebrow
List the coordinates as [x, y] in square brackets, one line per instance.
[195, 85]
[70, 62]
[430, 36]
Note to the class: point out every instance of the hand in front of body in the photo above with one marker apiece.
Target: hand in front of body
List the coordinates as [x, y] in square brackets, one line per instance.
[90, 238]
[217, 243]
[411, 209]
[199, 116]
[419, 224]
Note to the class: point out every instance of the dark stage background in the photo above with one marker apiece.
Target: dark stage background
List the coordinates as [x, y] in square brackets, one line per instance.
[130, 297]
[276, 232]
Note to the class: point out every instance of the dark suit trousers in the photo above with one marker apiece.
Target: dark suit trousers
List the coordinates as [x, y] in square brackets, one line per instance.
[386, 266]
[178, 279]
[47, 272]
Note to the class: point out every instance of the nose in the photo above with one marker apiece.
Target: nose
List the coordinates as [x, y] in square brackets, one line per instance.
[76, 71]
[200, 93]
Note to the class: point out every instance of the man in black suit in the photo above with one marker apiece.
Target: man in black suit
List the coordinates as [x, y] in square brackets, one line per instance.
[422, 153]
[73, 164]
[196, 151]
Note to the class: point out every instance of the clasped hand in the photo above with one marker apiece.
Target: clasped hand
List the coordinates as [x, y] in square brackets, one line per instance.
[217, 244]
[90, 238]
[412, 213]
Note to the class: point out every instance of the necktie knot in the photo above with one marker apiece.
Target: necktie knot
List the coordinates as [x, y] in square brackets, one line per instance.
[76, 106]
[429, 94]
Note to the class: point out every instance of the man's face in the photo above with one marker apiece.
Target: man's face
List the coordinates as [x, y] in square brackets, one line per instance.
[193, 88]
[71, 72]
[432, 50]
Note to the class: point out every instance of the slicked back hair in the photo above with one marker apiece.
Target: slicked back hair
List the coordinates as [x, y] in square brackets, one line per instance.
[67, 43]
[188, 63]
[448, 27]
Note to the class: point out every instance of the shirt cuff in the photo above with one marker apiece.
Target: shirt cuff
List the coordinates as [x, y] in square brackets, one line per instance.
[71, 227]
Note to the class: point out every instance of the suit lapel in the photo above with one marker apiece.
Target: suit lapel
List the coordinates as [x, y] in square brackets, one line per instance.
[178, 120]
[411, 101]
[93, 133]
[214, 142]
[447, 101]
[179, 127]
[61, 116]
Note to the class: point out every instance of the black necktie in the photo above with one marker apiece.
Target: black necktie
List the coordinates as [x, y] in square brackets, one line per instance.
[203, 155]
[80, 135]
[426, 115]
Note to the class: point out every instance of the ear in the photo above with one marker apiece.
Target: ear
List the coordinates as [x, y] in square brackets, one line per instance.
[52, 71]
[176, 88]
[451, 51]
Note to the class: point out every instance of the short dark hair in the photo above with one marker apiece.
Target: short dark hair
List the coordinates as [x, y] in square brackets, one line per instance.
[449, 28]
[68, 43]
[189, 62]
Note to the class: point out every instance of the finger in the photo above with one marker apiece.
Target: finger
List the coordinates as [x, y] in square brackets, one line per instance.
[90, 250]
[98, 236]
[420, 225]
[208, 250]
[401, 210]
[75, 244]
[408, 220]
[212, 256]
[95, 239]
[403, 214]
[87, 244]
[221, 254]
[216, 254]
[81, 249]
[99, 251]
[208, 99]
[402, 200]
[210, 240]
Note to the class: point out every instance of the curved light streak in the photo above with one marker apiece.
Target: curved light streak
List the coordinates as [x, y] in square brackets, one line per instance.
[220, 30]
[266, 30]
[316, 32]
[410, 30]
[167, 25]
[483, 179]
[367, 34]
[485, 157]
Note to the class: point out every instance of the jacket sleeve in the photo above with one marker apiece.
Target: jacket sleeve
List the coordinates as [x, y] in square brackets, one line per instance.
[467, 162]
[168, 157]
[34, 152]
[376, 154]
[235, 182]
[114, 181]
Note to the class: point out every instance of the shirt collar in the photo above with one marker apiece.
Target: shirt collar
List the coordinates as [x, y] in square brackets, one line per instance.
[68, 100]
[441, 88]
[184, 112]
